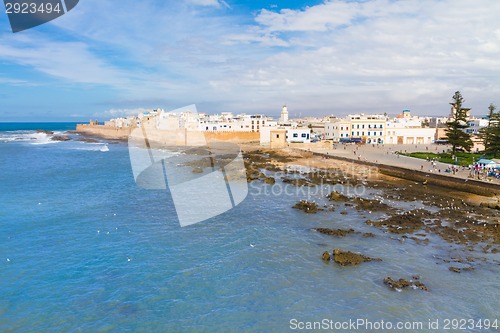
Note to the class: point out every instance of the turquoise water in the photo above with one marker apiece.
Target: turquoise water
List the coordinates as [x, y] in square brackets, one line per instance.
[83, 249]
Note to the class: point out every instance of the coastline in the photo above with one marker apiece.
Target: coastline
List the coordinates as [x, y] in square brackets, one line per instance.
[477, 192]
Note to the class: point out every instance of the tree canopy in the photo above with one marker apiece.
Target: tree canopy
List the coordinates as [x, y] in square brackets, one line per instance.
[491, 134]
[455, 133]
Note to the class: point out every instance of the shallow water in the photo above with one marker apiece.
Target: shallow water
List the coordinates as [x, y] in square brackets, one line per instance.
[83, 249]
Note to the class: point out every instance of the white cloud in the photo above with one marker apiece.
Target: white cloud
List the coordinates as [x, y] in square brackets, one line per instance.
[116, 113]
[214, 3]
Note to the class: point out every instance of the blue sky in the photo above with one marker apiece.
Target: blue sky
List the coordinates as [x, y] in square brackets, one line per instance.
[110, 58]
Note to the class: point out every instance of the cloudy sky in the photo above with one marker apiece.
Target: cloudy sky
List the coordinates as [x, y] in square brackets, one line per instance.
[108, 58]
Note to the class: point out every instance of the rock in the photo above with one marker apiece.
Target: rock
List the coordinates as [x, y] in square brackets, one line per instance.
[326, 256]
[297, 181]
[344, 212]
[254, 174]
[347, 258]
[408, 222]
[269, 180]
[370, 205]
[88, 140]
[44, 131]
[368, 234]
[306, 206]
[455, 269]
[403, 283]
[60, 138]
[197, 170]
[273, 167]
[336, 196]
[332, 232]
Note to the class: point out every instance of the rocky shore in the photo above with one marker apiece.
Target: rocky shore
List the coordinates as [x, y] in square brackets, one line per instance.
[473, 228]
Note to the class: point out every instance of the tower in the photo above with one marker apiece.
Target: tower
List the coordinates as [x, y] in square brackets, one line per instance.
[284, 114]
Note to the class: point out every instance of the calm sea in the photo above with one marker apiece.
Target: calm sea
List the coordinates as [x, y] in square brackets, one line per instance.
[83, 249]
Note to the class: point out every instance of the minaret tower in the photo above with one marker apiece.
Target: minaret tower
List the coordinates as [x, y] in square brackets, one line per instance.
[284, 115]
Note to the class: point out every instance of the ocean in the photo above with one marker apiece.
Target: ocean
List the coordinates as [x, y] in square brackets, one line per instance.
[84, 249]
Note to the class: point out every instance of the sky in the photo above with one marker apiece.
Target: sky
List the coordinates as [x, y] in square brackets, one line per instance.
[107, 59]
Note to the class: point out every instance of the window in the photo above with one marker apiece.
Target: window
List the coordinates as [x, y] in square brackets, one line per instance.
[295, 135]
[363, 126]
[380, 126]
[369, 133]
[358, 126]
[380, 132]
[304, 135]
[353, 133]
[357, 133]
[277, 136]
[341, 135]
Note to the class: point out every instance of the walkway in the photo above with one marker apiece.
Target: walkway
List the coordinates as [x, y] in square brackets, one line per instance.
[385, 154]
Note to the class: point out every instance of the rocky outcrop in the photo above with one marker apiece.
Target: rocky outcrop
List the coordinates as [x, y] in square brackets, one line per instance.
[338, 197]
[348, 258]
[269, 180]
[88, 140]
[334, 232]
[307, 206]
[403, 283]
[408, 222]
[370, 205]
[60, 138]
[297, 181]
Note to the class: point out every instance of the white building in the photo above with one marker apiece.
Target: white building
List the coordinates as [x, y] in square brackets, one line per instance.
[370, 128]
[475, 125]
[265, 132]
[338, 130]
[292, 134]
[397, 133]
[298, 135]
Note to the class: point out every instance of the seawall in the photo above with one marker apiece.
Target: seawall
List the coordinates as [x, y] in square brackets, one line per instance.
[177, 137]
[469, 186]
[106, 132]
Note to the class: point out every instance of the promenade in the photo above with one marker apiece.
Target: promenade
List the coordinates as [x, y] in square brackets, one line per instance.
[386, 155]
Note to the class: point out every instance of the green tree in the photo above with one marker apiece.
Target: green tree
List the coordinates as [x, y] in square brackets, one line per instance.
[455, 133]
[491, 134]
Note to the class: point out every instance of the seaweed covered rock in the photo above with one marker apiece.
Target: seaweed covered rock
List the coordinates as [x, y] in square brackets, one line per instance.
[254, 174]
[326, 256]
[403, 283]
[338, 197]
[334, 232]
[348, 258]
[269, 180]
[408, 222]
[307, 206]
[297, 181]
[370, 205]
[60, 138]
